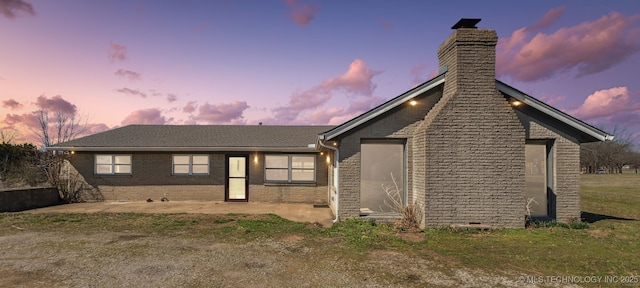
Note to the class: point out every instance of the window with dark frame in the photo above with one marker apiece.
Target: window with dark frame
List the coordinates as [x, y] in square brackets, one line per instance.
[190, 165]
[294, 168]
[112, 164]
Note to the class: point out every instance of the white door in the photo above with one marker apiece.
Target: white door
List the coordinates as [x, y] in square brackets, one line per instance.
[237, 187]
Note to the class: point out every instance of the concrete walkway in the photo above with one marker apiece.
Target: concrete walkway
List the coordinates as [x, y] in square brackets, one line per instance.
[293, 212]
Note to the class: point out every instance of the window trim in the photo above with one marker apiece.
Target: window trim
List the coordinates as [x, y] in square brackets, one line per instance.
[550, 177]
[112, 164]
[190, 165]
[290, 169]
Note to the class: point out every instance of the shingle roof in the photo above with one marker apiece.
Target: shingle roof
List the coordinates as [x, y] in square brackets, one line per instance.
[202, 137]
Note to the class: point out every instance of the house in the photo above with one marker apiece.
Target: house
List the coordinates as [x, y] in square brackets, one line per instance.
[464, 146]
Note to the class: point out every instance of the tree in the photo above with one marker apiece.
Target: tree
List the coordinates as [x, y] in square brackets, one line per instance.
[58, 126]
[55, 128]
[608, 155]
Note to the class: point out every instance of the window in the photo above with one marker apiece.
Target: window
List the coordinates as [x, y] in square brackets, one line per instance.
[290, 168]
[190, 164]
[538, 178]
[382, 166]
[113, 164]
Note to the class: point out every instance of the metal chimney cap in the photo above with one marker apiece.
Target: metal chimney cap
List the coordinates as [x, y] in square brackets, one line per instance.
[466, 23]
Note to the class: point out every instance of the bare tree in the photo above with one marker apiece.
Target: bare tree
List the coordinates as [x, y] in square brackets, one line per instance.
[55, 128]
[58, 126]
[7, 135]
[610, 156]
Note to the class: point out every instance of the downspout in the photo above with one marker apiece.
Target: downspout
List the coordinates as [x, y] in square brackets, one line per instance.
[337, 180]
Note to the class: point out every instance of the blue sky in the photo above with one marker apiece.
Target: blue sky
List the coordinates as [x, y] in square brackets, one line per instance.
[116, 63]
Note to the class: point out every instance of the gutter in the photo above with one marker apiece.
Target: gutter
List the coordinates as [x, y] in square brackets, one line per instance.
[337, 163]
[178, 149]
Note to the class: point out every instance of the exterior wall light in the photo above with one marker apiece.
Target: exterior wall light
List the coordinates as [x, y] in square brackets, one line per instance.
[255, 158]
[516, 103]
[413, 102]
[328, 159]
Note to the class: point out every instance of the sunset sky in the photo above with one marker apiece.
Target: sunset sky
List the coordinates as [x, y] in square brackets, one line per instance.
[116, 63]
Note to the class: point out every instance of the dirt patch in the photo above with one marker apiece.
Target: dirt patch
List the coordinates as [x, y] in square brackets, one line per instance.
[413, 237]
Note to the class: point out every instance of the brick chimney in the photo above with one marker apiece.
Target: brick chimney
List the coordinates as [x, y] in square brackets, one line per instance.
[471, 142]
[470, 55]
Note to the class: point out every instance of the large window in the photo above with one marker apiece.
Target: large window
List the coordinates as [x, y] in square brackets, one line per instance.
[381, 176]
[113, 164]
[190, 164]
[538, 171]
[290, 168]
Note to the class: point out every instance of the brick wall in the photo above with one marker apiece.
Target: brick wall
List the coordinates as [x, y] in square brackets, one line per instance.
[566, 161]
[152, 178]
[472, 141]
[398, 123]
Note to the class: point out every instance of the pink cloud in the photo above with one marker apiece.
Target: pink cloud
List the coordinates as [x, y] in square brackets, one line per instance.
[10, 8]
[28, 120]
[338, 115]
[55, 103]
[222, 113]
[95, 128]
[130, 91]
[358, 80]
[605, 103]
[551, 100]
[547, 20]
[151, 116]
[11, 104]
[190, 107]
[386, 24]
[128, 74]
[117, 52]
[589, 47]
[172, 97]
[302, 13]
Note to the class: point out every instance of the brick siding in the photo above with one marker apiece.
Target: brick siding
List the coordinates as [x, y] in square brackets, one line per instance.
[152, 178]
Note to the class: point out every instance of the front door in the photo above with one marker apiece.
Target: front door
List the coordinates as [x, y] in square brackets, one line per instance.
[237, 179]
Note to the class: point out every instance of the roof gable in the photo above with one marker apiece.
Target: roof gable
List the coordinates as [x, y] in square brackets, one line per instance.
[382, 108]
[548, 110]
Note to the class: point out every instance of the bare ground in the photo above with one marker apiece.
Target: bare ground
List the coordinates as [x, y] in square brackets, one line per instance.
[127, 259]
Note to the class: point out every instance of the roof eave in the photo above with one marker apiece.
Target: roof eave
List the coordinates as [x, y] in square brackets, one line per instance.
[375, 112]
[184, 149]
[554, 113]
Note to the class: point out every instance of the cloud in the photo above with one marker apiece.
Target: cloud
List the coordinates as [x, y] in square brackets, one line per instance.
[128, 74]
[551, 100]
[151, 116]
[302, 13]
[386, 24]
[547, 20]
[11, 104]
[589, 47]
[171, 97]
[221, 113]
[190, 107]
[117, 52]
[605, 103]
[95, 128]
[338, 115]
[10, 8]
[356, 81]
[130, 91]
[55, 103]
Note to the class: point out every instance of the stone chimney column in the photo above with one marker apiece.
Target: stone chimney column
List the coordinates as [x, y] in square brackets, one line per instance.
[470, 57]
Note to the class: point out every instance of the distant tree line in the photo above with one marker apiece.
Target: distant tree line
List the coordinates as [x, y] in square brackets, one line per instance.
[610, 156]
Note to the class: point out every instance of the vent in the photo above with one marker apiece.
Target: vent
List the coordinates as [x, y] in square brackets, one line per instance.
[466, 23]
